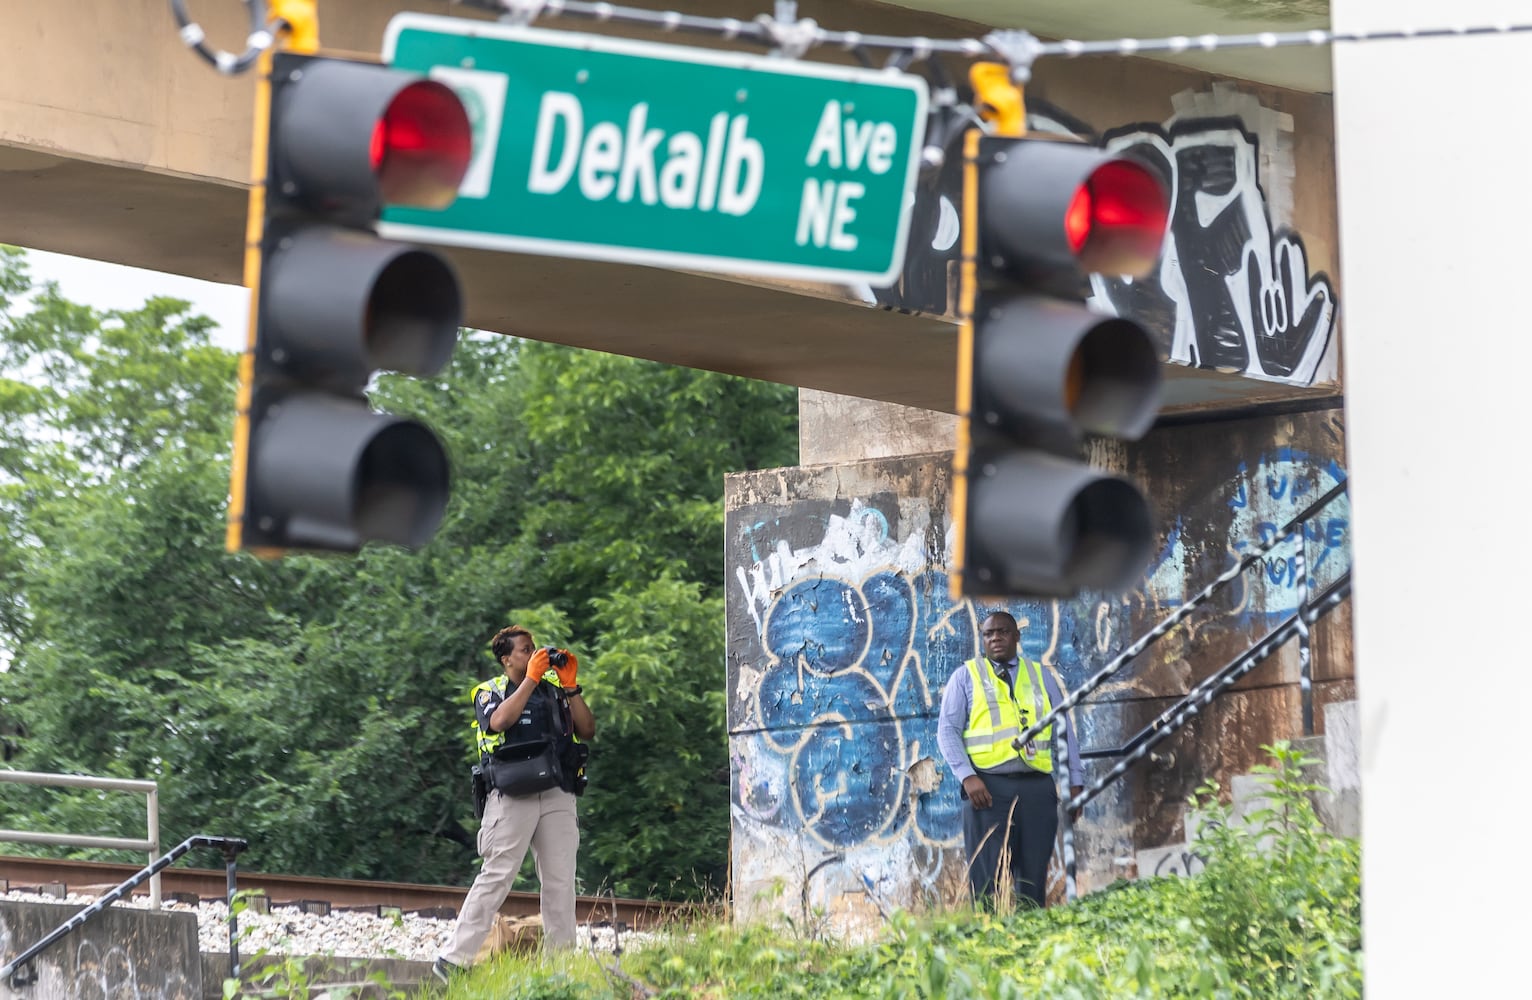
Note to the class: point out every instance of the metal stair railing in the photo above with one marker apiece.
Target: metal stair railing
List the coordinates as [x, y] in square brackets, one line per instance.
[1178, 715]
[149, 789]
[1204, 691]
[19, 971]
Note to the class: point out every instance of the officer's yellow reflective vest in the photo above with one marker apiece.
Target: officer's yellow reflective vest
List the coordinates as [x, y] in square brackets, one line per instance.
[487, 743]
[995, 717]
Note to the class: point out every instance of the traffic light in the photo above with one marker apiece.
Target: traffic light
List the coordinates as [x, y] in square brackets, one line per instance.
[1039, 371]
[315, 467]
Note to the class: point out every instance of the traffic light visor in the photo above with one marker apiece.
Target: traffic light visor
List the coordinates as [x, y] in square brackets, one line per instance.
[1116, 220]
[1052, 212]
[413, 314]
[1108, 532]
[1048, 371]
[348, 138]
[330, 473]
[421, 146]
[339, 303]
[1113, 384]
[401, 485]
[1042, 525]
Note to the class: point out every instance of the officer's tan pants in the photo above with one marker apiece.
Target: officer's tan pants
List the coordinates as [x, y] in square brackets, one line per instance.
[545, 821]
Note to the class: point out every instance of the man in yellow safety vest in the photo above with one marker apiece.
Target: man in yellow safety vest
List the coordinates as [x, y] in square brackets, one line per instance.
[1010, 813]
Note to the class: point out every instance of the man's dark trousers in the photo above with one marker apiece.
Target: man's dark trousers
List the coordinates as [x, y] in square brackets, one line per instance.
[1031, 827]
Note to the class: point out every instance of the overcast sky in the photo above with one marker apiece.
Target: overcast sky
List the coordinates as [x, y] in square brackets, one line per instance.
[112, 286]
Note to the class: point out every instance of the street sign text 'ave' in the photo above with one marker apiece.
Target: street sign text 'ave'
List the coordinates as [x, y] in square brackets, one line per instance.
[587, 146]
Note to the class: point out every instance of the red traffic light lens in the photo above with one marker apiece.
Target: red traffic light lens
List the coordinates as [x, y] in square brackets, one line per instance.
[1115, 224]
[421, 146]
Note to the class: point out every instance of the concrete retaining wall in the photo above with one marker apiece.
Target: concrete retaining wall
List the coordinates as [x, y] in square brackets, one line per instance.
[351, 976]
[121, 954]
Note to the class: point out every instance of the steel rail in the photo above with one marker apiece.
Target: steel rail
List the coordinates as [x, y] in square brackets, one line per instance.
[149, 844]
[1200, 697]
[90, 877]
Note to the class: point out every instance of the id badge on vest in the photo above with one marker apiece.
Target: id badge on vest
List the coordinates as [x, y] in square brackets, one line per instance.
[1029, 748]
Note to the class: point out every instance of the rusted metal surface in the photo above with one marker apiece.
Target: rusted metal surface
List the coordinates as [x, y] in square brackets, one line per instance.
[88, 877]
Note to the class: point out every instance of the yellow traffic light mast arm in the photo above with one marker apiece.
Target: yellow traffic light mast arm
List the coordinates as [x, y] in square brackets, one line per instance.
[999, 101]
[300, 34]
[301, 18]
[997, 98]
[254, 230]
[968, 278]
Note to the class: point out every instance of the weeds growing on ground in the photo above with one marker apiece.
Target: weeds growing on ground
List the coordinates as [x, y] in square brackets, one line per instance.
[1275, 913]
[267, 975]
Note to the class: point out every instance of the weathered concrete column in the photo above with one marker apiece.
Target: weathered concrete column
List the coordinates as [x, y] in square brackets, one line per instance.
[835, 428]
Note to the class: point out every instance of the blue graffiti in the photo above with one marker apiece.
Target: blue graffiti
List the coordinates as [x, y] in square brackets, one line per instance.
[849, 701]
[850, 698]
[1288, 482]
[843, 716]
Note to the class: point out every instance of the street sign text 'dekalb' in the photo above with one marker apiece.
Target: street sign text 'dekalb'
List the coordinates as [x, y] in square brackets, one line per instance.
[586, 146]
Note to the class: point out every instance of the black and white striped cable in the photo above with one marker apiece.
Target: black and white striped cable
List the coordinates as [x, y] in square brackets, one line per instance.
[261, 38]
[793, 37]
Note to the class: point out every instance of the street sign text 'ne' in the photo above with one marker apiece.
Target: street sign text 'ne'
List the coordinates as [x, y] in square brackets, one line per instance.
[586, 146]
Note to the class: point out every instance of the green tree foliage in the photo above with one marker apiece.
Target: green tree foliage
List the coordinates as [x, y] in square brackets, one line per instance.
[319, 705]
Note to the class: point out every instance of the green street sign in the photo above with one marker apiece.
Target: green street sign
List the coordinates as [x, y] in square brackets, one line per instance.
[609, 149]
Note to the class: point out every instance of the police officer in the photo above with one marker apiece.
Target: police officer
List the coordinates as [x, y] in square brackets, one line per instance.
[1010, 814]
[524, 707]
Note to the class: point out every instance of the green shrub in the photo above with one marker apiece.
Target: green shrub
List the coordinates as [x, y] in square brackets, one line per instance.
[1280, 897]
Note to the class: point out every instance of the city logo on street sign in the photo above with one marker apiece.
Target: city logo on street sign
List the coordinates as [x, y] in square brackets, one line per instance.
[610, 149]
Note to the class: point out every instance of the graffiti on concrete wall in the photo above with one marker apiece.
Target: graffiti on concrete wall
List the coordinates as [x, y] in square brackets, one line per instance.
[1183, 861]
[1264, 498]
[1233, 291]
[1261, 500]
[838, 787]
[98, 972]
[111, 974]
[834, 733]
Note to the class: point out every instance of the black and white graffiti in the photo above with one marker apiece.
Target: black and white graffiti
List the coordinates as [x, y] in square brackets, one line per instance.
[1232, 292]
[1237, 296]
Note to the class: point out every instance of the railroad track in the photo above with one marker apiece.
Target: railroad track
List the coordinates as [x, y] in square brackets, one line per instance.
[318, 894]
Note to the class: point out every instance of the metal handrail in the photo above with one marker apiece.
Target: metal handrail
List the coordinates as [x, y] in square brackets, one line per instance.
[1178, 715]
[150, 844]
[1149, 638]
[1295, 624]
[1198, 699]
[230, 846]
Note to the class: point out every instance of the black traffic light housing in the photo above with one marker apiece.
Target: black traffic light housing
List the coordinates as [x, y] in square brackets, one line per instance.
[315, 466]
[1039, 371]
